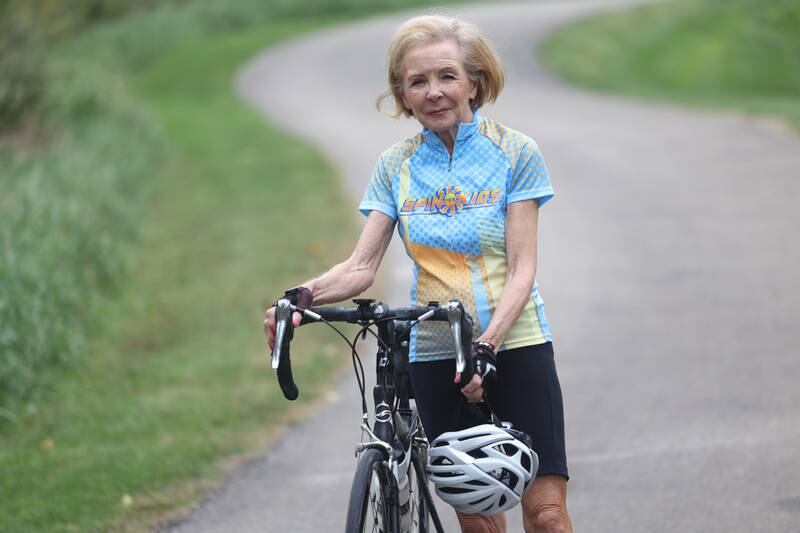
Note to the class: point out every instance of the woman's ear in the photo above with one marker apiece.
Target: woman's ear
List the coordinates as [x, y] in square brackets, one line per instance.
[406, 108]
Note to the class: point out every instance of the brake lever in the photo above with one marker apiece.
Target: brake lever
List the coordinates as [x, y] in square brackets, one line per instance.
[283, 317]
[454, 314]
[284, 331]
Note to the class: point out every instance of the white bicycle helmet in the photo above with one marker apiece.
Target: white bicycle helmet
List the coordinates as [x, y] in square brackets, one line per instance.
[483, 469]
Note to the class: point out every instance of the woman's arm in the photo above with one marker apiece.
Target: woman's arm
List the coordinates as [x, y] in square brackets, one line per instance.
[522, 220]
[357, 273]
[351, 277]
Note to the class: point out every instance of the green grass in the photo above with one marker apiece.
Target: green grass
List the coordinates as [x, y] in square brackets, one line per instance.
[185, 208]
[69, 215]
[181, 377]
[740, 54]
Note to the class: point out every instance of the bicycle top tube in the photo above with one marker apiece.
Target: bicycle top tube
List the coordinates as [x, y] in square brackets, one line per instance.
[369, 312]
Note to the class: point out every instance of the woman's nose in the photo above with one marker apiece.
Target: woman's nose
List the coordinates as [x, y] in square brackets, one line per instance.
[434, 91]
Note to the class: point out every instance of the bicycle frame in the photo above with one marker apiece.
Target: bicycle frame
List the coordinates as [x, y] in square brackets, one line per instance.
[396, 433]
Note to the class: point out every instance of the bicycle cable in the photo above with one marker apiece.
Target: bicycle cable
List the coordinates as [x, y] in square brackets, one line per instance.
[359, 371]
[406, 336]
[358, 365]
[361, 378]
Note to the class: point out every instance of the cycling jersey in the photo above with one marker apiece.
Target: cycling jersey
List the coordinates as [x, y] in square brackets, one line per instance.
[451, 217]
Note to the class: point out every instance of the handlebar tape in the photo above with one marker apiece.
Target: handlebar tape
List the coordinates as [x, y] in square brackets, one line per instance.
[285, 377]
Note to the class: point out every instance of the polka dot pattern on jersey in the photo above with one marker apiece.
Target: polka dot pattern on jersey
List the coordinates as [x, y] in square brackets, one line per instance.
[451, 212]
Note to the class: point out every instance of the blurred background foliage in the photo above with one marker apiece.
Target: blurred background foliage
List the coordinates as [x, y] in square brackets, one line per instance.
[139, 201]
[27, 28]
[78, 154]
[721, 53]
[75, 150]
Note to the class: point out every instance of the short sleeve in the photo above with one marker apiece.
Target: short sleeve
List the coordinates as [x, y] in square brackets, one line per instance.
[530, 178]
[378, 196]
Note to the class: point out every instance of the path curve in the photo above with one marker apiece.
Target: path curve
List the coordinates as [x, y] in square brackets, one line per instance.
[668, 264]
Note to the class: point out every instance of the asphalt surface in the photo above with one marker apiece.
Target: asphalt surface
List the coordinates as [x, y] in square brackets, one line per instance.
[668, 264]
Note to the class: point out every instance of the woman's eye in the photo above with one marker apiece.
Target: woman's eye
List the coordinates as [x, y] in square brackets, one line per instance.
[415, 83]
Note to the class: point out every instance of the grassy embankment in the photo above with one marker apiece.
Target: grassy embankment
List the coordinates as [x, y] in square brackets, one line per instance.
[740, 54]
[174, 376]
[180, 378]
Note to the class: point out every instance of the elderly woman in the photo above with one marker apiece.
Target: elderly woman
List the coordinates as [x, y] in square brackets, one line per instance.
[465, 194]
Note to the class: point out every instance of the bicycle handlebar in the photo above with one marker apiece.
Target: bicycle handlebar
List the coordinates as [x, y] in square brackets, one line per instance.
[284, 331]
[368, 312]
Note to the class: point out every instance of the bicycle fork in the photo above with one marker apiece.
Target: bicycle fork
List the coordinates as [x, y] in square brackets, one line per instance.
[398, 461]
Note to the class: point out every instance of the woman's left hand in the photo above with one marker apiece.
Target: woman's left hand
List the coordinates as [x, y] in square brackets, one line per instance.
[474, 389]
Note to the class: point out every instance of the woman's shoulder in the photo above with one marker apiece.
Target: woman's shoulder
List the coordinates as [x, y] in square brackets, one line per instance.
[404, 147]
[501, 134]
[399, 152]
[511, 142]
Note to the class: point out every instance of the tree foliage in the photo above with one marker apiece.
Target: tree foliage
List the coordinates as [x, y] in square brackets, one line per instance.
[27, 29]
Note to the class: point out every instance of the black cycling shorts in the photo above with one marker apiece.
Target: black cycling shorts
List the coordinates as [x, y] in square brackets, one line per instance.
[528, 395]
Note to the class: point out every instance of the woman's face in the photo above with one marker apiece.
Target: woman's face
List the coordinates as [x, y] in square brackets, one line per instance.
[435, 86]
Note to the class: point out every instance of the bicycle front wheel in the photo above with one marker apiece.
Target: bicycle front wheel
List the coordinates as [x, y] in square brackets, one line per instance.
[417, 505]
[368, 511]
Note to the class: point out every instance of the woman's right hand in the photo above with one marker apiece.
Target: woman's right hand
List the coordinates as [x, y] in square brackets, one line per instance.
[269, 327]
[299, 296]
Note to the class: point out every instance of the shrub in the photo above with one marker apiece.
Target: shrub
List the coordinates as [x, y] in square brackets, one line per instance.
[21, 74]
[68, 221]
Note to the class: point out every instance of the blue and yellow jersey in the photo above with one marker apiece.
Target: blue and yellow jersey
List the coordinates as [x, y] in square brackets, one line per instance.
[451, 217]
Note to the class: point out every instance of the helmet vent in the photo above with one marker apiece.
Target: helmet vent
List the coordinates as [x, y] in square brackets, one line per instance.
[454, 490]
[476, 436]
[526, 462]
[512, 480]
[506, 477]
[449, 474]
[478, 453]
[441, 461]
[506, 449]
[477, 482]
[440, 443]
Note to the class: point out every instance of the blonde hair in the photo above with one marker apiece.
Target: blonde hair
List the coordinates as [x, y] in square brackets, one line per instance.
[480, 60]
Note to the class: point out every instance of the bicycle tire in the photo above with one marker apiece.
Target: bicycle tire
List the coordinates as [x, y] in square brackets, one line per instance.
[368, 511]
[420, 520]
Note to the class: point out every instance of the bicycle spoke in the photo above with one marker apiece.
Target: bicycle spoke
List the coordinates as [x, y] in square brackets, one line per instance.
[375, 505]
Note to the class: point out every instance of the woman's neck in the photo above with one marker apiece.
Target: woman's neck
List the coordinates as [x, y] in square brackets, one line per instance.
[448, 138]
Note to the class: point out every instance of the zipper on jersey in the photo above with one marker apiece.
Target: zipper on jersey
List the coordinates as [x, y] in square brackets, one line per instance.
[452, 156]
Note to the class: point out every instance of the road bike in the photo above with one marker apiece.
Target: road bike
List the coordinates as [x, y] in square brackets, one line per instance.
[390, 492]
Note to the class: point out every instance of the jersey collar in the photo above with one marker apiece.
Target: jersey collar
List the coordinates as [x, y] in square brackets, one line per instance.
[465, 131]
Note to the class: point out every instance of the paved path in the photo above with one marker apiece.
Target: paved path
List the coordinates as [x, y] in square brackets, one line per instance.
[669, 264]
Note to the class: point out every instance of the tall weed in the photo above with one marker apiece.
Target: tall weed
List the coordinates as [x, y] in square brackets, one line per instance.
[69, 215]
[68, 221]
